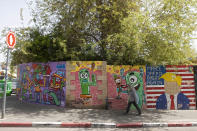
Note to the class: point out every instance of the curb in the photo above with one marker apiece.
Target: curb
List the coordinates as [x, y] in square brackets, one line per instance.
[96, 125]
[129, 125]
[103, 125]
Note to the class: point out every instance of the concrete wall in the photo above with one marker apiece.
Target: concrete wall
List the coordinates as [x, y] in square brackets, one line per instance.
[42, 83]
[117, 81]
[87, 84]
[170, 87]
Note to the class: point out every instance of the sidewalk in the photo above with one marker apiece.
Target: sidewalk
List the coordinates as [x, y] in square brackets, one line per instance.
[17, 112]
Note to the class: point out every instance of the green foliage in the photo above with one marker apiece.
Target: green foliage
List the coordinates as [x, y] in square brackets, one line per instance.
[35, 46]
[129, 32]
[160, 34]
[172, 24]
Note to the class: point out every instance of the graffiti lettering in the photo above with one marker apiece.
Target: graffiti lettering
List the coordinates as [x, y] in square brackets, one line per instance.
[41, 84]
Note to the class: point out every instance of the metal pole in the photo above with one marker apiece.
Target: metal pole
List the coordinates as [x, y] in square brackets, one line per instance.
[5, 86]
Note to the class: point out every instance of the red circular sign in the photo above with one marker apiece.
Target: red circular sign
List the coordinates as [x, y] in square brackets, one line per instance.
[11, 40]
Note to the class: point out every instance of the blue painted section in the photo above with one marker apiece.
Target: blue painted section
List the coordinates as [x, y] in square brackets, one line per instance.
[153, 73]
[181, 99]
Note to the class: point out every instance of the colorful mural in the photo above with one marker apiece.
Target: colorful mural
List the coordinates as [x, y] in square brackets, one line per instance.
[170, 87]
[84, 77]
[94, 84]
[119, 77]
[42, 83]
[87, 84]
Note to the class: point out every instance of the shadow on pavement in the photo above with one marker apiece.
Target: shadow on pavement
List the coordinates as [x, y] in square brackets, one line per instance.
[14, 106]
[117, 116]
[53, 113]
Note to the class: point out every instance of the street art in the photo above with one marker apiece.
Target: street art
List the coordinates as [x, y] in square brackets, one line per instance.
[170, 87]
[88, 85]
[120, 88]
[172, 99]
[195, 79]
[42, 83]
[94, 84]
[119, 77]
[135, 80]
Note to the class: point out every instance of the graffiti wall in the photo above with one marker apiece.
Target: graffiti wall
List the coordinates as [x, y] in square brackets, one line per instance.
[87, 84]
[119, 77]
[42, 83]
[170, 87]
[93, 84]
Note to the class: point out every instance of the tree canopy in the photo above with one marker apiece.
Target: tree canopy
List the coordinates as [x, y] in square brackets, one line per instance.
[119, 32]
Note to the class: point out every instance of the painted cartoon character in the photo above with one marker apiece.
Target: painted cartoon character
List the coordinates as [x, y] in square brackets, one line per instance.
[135, 80]
[38, 92]
[56, 81]
[119, 86]
[46, 70]
[85, 82]
[172, 98]
[57, 84]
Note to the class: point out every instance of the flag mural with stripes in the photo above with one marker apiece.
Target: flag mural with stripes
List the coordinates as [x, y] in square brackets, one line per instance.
[170, 87]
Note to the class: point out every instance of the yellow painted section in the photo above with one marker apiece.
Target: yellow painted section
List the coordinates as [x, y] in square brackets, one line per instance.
[115, 69]
[85, 64]
[170, 77]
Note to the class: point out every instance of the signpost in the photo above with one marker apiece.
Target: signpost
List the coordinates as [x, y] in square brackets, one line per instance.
[11, 42]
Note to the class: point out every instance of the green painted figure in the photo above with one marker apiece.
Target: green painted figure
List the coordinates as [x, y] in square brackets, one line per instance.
[135, 80]
[84, 81]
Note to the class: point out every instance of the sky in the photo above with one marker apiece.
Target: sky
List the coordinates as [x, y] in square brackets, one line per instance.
[10, 17]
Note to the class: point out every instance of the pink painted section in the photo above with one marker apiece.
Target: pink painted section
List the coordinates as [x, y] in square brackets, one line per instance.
[120, 104]
[112, 94]
[93, 89]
